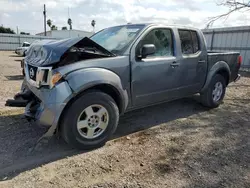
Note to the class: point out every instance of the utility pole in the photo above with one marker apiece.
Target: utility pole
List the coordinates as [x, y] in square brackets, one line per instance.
[17, 30]
[44, 16]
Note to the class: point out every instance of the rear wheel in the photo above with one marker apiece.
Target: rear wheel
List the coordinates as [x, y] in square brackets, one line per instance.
[90, 120]
[213, 96]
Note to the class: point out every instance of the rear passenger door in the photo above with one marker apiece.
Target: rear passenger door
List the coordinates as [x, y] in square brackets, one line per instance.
[193, 63]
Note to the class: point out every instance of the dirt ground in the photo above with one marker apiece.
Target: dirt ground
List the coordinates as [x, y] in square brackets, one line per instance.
[176, 144]
[10, 76]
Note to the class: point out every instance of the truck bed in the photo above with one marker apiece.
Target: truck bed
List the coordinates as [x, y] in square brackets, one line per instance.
[231, 58]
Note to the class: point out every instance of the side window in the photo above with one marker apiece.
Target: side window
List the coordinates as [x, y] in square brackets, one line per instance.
[162, 39]
[25, 45]
[189, 42]
[186, 42]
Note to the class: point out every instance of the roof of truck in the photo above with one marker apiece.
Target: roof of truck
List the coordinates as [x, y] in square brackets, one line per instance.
[162, 24]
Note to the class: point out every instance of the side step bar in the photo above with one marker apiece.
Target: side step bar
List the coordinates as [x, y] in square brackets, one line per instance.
[16, 103]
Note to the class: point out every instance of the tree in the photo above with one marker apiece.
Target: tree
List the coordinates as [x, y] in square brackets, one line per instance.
[64, 28]
[93, 22]
[53, 27]
[233, 6]
[49, 23]
[6, 30]
[70, 23]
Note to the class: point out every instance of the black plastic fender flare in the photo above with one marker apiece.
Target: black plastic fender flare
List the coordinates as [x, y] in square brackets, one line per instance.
[217, 67]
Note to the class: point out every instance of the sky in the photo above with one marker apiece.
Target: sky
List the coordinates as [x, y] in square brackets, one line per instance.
[28, 14]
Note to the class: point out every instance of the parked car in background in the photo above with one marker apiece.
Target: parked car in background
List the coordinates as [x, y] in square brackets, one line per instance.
[23, 49]
[81, 86]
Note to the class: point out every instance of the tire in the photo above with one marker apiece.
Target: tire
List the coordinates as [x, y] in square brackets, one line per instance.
[77, 137]
[208, 98]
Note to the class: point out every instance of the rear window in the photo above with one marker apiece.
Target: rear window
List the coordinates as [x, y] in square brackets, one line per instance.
[189, 41]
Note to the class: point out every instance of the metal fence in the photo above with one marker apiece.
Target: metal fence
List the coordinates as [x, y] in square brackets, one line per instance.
[12, 41]
[230, 39]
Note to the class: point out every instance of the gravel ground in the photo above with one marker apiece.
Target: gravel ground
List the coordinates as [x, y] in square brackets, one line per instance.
[10, 76]
[177, 144]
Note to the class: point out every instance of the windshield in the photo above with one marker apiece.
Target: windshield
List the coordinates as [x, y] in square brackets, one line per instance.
[116, 39]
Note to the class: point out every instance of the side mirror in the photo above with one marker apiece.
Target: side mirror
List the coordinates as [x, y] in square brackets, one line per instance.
[147, 49]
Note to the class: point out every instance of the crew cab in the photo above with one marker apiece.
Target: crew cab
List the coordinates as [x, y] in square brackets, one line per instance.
[81, 86]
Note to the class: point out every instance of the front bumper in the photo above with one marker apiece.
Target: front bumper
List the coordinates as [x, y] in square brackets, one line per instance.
[18, 52]
[49, 103]
[43, 105]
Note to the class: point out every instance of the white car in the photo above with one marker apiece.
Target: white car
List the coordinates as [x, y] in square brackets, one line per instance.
[23, 49]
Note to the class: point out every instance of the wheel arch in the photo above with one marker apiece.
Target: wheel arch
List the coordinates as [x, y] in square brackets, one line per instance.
[221, 68]
[109, 89]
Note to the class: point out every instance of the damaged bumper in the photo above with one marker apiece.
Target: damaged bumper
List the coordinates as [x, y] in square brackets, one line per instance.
[41, 104]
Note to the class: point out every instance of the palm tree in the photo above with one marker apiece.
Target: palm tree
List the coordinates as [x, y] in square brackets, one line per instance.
[53, 27]
[49, 23]
[93, 24]
[70, 23]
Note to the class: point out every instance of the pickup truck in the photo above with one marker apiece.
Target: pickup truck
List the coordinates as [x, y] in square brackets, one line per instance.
[80, 86]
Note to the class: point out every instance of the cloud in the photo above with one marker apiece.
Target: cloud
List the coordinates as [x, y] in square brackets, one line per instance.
[6, 15]
[27, 14]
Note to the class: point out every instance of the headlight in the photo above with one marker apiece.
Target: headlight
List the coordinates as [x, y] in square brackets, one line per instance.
[56, 77]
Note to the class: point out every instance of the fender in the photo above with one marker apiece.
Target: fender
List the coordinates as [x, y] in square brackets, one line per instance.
[218, 66]
[83, 79]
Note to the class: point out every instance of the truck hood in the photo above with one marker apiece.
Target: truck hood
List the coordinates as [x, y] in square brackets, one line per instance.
[61, 52]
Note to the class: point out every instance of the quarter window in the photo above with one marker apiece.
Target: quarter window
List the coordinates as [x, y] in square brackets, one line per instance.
[162, 39]
[189, 41]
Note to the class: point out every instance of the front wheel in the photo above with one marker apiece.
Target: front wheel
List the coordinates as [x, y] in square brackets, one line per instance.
[213, 96]
[90, 120]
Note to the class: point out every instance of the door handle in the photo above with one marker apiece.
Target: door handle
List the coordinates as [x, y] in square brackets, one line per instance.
[202, 61]
[174, 64]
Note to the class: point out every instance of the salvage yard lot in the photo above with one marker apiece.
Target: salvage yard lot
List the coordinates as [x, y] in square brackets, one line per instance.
[176, 144]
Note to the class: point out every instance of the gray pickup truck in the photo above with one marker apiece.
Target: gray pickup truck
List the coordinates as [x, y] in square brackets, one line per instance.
[81, 86]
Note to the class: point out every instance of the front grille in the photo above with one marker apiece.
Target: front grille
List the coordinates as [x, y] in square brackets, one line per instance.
[38, 76]
[32, 72]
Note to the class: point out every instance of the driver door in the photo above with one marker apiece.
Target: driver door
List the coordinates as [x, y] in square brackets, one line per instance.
[155, 78]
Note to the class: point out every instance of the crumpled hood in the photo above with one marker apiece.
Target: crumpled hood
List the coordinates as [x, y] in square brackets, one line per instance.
[49, 52]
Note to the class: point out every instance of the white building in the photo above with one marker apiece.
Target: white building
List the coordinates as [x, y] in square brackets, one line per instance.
[66, 33]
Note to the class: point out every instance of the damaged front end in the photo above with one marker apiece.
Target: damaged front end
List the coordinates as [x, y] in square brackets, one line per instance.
[44, 92]
[25, 99]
